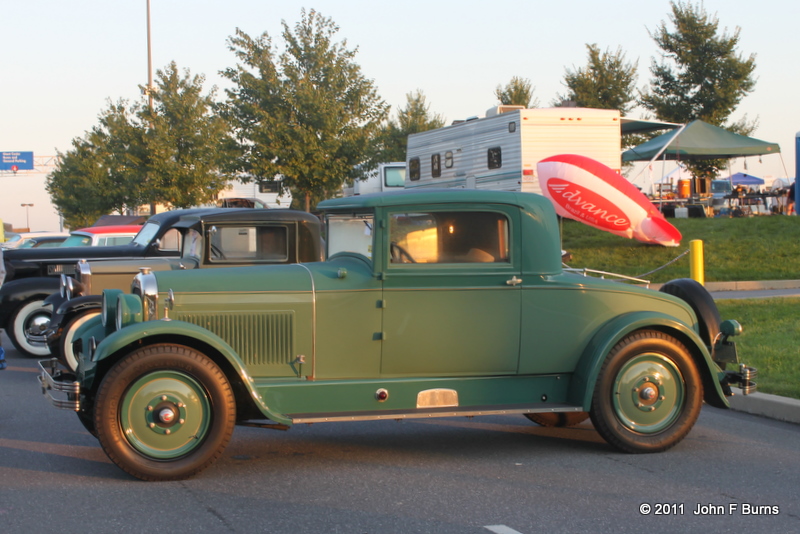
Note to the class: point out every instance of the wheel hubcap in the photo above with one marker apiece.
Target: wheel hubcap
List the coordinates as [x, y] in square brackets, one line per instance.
[649, 393]
[165, 415]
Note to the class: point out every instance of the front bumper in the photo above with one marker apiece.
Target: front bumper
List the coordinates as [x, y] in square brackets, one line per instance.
[59, 385]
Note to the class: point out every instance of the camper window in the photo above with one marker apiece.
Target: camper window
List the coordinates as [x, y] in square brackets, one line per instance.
[495, 158]
[413, 169]
[436, 165]
[448, 159]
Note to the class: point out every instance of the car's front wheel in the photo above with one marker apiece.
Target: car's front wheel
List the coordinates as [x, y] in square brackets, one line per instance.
[27, 326]
[648, 394]
[164, 412]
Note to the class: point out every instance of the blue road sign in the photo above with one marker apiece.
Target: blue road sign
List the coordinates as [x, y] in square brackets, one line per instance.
[16, 161]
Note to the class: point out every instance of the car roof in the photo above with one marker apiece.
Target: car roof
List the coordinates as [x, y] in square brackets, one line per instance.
[110, 229]
[431, 196]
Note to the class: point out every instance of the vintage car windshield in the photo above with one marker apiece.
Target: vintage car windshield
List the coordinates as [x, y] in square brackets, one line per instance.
[350, 233]
[146, 234]
[449, 237]
[77, 240]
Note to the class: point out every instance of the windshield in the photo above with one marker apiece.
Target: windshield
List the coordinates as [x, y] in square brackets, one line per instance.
[146, 234]
[350, 233]
[395, 176]
[720, 186]
[77, 240]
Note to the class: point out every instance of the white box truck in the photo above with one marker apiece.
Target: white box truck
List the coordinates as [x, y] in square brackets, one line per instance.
[500, 151]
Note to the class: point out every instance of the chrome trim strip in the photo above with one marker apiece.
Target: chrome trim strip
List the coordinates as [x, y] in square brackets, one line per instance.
[313, 323]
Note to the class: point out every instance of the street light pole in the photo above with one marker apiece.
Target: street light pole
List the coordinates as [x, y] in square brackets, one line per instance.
[27, 215]
[149, 61]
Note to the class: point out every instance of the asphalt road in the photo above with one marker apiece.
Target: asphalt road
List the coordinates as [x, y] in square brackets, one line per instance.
[455, 475]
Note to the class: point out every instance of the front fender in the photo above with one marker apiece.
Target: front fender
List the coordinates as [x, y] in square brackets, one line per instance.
[15, 292]
[588, 368]
[140, 333]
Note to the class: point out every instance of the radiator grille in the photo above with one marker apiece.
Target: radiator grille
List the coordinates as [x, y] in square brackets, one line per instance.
[258, 338]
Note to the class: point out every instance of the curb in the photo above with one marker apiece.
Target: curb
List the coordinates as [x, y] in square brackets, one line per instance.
[766, 405]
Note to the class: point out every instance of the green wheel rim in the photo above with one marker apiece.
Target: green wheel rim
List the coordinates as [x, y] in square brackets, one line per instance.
[649, 393]
[165, 415]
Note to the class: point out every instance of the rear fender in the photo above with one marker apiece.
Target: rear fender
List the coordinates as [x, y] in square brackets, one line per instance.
[146, 333]
[588, 368]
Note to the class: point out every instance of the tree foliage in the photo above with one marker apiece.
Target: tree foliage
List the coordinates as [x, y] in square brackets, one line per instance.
[518, 92]
[607, 81]
[307, 114]
[701, 75]
[414, 118]
[133, 156]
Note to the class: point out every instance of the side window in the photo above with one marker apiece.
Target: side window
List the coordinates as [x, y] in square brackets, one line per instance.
[495, 158]
[192, 245]
[413, 169]
[395, 177]
[249, 244]
[436, 165]
[448, 159]
[171, 240]
[449, 237]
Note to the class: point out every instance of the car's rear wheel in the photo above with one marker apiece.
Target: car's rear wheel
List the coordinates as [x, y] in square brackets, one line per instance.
[648, 394]
[164, 412]
[558, 419]
[65, 353]
[27, 326]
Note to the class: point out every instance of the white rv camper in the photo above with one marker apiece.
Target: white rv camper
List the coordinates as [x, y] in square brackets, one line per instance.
[386, 177]
[501, 150]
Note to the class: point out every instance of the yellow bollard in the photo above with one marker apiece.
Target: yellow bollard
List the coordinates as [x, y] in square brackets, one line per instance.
[696, 261]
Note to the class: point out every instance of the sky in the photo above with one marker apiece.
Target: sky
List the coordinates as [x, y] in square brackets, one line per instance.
[61, 62]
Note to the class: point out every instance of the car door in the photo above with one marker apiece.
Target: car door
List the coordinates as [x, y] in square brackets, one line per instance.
[451, 296]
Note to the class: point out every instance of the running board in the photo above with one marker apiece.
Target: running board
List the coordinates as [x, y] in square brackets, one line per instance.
[467, 411]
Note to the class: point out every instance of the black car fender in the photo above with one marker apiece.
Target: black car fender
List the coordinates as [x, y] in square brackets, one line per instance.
[15, 292]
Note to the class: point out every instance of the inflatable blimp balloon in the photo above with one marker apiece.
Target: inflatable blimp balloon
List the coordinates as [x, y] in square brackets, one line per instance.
[588, 191]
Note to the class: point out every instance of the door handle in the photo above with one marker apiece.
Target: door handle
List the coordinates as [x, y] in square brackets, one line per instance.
[514, 281]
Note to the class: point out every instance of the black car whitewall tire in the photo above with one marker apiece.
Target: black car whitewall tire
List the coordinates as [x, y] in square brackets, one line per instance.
[31, 314]
[164, 412]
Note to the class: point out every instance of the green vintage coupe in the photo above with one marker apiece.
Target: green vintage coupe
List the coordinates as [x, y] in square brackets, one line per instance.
[430, 304]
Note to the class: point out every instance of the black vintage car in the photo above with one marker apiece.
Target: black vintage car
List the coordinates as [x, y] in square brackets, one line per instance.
[34, 275]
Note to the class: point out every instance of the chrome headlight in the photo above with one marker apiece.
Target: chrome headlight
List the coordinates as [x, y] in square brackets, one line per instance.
[129, 310]
[145, 285]
[109, 309]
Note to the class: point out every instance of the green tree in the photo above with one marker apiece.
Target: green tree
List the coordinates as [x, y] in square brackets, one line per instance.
[607, 81]
[700, 75]
[414, 118]
[307, 113]
[518, 92]
[184, 142]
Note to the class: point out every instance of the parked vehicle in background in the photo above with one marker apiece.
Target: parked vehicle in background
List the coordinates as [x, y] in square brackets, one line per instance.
[34, 274]
[387, 177]
[221, 238]
[18, 240]
[102, 236]
[429, 304]
[44, 241]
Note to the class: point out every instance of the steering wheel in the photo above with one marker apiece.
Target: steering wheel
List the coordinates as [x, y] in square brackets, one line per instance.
[399, 252]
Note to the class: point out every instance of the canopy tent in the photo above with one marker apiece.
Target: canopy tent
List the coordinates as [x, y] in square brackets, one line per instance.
[741, 178]
[700, 140]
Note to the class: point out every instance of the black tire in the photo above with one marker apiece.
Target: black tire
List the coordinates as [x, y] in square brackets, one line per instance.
[30, 314]
[164, 412]
[648, 394]
[65, 353]
[558, 419]
[701, 301]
